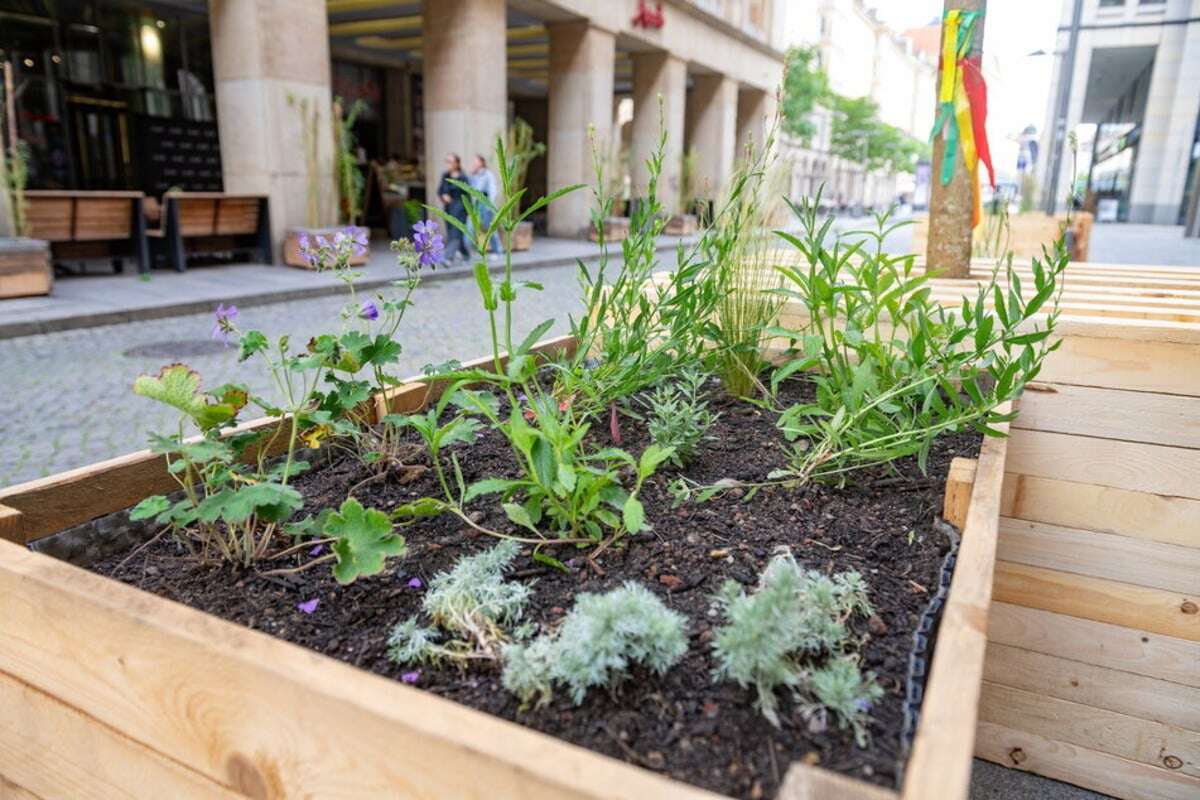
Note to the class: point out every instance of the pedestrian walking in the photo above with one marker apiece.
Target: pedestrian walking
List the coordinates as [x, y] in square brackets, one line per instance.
[452, 203]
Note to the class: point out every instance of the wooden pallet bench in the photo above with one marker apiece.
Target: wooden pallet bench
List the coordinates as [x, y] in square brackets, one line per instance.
[211, 222]
[81, 224]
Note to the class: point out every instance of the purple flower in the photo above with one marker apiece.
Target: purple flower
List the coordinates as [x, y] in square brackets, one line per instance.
[309, 606]
[862, 704]
[316, 551]
[223, 324]
[369, 310]
[415, 583]
[360, 240]
[411, 677]
[427, 239]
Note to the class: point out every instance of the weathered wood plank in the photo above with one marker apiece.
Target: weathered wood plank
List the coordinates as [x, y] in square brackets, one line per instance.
[249, 711]
[1169, 613]
[1100, 555]
[11, 525]
[1111, 646]
[1090, 769]
[1107, 462]
[1153, 517]
[10, 791]
[1152, 418]
[53, 750]
[803, 782]
[1094, 728]
[1124, 692]
[1151, 366]
[940, 763]
[959, 484]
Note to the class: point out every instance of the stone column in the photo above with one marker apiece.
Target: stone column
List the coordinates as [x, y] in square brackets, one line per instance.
[714, 105]
[581, 97]
[753, 113]
[268, 55]
[658, 74]
[466, 89]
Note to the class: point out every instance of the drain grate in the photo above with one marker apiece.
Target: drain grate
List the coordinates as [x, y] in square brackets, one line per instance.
[178, 349]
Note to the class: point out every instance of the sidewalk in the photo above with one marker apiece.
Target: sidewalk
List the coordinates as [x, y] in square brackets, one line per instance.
[105, 299]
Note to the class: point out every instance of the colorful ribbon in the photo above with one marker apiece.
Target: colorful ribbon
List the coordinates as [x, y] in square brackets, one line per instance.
[962, 105]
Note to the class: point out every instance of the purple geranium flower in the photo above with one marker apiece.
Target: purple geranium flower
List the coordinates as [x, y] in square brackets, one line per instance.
[411, 677]
[415, 583]
[369, 310]
[316, 551]
[223, 324]
[309, 606]
[359, 239]
[427, 239]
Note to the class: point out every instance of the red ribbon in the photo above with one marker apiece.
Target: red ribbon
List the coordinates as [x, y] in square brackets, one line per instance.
[976, 89]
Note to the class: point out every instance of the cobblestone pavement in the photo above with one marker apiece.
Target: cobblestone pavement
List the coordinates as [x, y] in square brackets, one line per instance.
[66, 399]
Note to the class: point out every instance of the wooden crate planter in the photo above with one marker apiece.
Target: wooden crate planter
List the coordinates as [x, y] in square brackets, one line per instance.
[25, 268]
[291, 245]
[110, 691]
[522, 236]
[1029, 233]
[616, 229]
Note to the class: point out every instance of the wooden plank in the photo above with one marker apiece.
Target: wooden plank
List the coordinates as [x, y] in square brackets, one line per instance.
[804, 782]
[1154, 517]
[959, 483]
[1154, 610]
[1124, 692]
[940, 764]
[1112, 646]
[1150, 366]
[10, 791]
[1100, 772]
[1107, 462]
[1094, 728]
[56, 751]
[11, 525]
[98, 219]
[266, 717]
[1100, 555]
[1166, 419]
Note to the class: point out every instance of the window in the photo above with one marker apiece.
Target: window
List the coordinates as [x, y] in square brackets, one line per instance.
[1111, 3]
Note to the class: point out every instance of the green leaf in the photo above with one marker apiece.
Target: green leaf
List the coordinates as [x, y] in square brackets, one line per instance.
[272, 502]
[489, 486]
[364, 539]
[534, 335]
[484, 281]
[652, 457]
[252, 342]
[519, 515]
[150, 507]
[633, 515]
[549, 561]
[544, 462]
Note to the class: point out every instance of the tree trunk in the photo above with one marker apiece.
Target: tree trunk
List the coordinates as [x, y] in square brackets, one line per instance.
[951, 205]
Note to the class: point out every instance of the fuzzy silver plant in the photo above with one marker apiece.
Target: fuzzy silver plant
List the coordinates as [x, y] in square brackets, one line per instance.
[597, 642]
[793, 615]
[841, 687]
[473, 603]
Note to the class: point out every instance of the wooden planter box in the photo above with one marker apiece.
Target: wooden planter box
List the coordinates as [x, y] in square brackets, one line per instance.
[616, 229]
[106, 690]
[522, 236]
[1029, 233]
[25, 268]
[291, 246]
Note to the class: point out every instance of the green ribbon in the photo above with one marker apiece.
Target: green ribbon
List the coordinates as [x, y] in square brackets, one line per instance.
[962, 46]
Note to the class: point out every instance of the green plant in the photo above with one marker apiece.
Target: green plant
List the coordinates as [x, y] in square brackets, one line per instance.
[310, 128]
[841, 687]
[437, 434]
[361, 540]
[348, 180]
[597, 642]
[17, 175]
[472, 602]
[805, 86]
[740, 254]
[792, 617]
[678, 417]
[523, 150]
[894, 368]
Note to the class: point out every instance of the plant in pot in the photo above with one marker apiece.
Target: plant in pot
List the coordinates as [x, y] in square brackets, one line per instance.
[25, 267]
[302, 244]
[686, 222]
[523, 150]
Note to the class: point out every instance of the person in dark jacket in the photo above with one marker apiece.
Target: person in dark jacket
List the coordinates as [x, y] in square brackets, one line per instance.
[453, 205]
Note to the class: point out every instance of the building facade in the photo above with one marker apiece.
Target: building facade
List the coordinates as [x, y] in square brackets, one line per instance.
[862, 57]
[1131, 86]
[220, 84]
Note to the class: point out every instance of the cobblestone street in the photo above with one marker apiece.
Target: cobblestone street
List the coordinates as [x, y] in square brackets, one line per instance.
[67, 399]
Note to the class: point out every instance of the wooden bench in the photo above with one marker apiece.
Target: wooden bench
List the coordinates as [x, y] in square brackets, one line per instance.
[210, 222]
[82, 224]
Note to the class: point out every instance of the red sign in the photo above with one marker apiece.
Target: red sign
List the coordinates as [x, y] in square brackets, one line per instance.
[648, 18]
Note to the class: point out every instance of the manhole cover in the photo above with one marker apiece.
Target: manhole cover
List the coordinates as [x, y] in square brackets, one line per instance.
[183, 349]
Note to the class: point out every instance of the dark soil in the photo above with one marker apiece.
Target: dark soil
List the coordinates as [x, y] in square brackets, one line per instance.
[681, 724]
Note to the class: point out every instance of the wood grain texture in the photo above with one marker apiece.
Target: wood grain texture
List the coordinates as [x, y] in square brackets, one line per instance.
[1144, 365]
[1101, 555]
[264, 717]
[1142, 515]
[959, 484]
[1106, 462]
[1090, 769]
[11, 791]
[1152, 418]
[1124, 692]
[1094, 728]
[1112, 646]
[1169, 613]
[804, 782]
[54, 750]
[940, 763]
